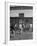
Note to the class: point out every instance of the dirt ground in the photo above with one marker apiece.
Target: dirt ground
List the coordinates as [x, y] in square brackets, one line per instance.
[22, 36]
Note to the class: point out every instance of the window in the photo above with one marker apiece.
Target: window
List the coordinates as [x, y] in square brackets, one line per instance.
[21, 14]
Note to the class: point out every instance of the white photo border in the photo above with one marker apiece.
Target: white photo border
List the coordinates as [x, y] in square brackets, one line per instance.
[7, 39]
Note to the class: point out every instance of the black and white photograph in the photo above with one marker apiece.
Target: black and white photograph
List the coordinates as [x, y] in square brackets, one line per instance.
[18, 23]
[21, 22]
